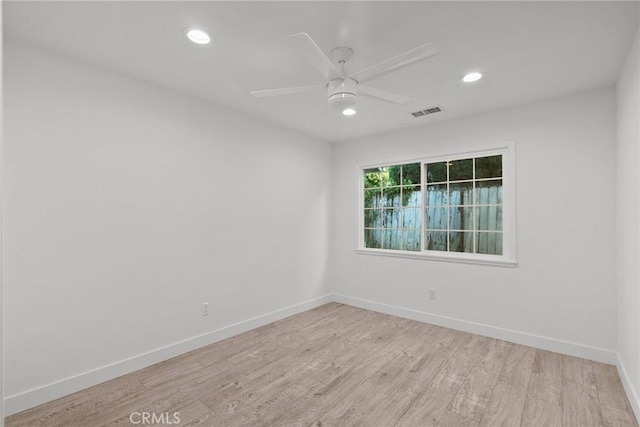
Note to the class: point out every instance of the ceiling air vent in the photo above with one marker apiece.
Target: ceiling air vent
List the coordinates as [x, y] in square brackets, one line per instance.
[427, 111]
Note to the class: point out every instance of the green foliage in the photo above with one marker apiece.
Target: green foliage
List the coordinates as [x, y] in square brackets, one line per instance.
[392, 179]
[461, 170]
[411, 174]
[437, 172]
[489, 167]
[374, 178]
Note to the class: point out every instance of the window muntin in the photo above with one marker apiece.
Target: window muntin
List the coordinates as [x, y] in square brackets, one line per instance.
[459, 213]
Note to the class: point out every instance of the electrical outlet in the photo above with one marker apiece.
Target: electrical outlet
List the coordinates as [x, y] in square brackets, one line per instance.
[433, 294]
[205, 309]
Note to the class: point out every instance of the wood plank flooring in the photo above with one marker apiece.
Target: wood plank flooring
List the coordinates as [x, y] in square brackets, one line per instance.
[338, 365]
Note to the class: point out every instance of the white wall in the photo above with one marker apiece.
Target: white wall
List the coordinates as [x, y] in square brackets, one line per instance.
[628, 217]
[126, 206]
[1, 180]
[562, 294]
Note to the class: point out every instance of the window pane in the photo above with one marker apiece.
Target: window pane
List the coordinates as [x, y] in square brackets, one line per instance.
[489, 218]
[436, 240]
[437, 195]
[461, 218]
[373, 238]
[412, 196]
[391, 197]
[411, 218]
[372, 178]
[489, 167]
[373, 218]
[437, 218]
[461, 169]
[489, 243]
[460, 241]
[436, 172]
[411, 240]
[489, 192]
[411, 174]
[372, 198]
[391, 218]
[394, 175]
[391, 239]
[461, 193]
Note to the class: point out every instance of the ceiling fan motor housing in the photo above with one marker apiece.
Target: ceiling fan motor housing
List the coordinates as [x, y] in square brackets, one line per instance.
[343, 93]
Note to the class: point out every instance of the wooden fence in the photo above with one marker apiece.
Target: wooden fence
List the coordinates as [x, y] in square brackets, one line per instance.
[451, 217]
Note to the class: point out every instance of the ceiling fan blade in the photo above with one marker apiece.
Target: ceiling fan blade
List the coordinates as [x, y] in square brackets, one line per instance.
[315, 55]
[404, 59]
[383, 95]
[283, 91]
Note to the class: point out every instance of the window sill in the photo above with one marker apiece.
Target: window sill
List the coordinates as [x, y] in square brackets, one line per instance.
[478, 260]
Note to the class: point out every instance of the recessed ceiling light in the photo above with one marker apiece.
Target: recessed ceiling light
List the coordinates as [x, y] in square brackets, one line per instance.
[348, 111]
[472, 77]
[198, 36]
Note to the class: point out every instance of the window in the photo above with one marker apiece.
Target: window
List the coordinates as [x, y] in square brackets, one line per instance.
[392, 207]
[454, 207]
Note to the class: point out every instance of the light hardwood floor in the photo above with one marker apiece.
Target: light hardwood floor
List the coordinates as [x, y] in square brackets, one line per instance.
[340, 365]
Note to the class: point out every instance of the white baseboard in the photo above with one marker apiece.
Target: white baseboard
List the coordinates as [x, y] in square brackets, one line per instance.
[545, 343]
[30, 398]
[632, 393]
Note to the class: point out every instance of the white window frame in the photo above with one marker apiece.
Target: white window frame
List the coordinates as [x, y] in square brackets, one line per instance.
[508, 257]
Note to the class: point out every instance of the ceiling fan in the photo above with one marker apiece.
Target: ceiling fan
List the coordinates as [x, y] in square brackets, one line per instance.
[343, 89]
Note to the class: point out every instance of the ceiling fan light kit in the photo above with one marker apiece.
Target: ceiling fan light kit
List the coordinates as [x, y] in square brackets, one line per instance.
[343, 95]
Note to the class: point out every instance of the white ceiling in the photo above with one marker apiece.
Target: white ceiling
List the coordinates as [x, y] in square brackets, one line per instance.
[528, 50]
